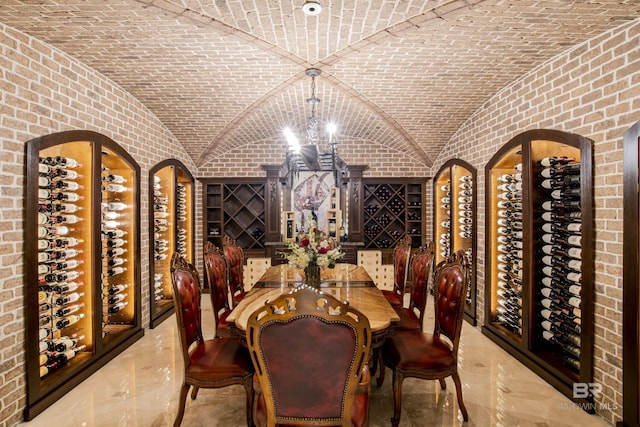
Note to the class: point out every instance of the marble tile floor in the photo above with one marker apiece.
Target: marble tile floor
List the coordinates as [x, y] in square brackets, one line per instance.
[140, 388]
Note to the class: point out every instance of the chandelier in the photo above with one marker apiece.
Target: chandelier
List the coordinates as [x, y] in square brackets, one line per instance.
[309, 155]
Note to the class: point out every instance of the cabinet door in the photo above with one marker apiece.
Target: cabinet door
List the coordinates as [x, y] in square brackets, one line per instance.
[455, 220]
[171, 230]
[82, 293]
[539, 284]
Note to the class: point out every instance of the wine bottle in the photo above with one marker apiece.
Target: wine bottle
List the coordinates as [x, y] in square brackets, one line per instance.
[114, 234]
[569, 240]
[566, 193]
[66, 343]
[444, 188]
[65, 356]
[117, 288]
[555, 160]
[115, 188]
[69, 309]
[571, 216]
[113, 299]
[562, 273]
[114, 252]
[63, 276]
[113, 262]
[115, 243]
[116, 270]
[118, 307]
[559, 172]
[573, 252]
[69, 298]
[117, 179]
[507, 177]
[558, 283]
[572, 264]
[65, 322]
[563, 334]
[66, 162]
[62, 288]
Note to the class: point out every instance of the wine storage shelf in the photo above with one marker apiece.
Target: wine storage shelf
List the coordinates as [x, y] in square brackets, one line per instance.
[393, 210]
[82, 273]
[236, 208]
[454, 190]
[539, 255]
[171, 230]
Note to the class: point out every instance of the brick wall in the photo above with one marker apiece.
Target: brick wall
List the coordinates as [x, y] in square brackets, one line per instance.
[592, 90]
[45, 91]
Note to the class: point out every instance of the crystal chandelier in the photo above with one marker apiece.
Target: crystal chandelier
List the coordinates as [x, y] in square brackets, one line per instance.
[309, 153]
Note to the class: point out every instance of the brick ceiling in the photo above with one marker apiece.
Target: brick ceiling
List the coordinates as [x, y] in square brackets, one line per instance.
[404, 74]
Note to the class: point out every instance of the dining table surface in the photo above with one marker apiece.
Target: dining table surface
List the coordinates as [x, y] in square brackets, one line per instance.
[346, 282]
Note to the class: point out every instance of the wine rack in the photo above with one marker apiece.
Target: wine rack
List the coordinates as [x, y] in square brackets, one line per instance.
[539, 283]
[455, 220]
[171, 230]
[393, 210]
[236, 208]
[82, 275]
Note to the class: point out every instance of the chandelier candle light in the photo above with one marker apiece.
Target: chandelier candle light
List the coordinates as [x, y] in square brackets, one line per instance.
[314, 251]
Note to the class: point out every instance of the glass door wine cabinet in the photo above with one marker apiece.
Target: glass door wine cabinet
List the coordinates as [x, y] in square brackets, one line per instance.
[454, 195]
[539, 256]
[171, 230]
[82, 272]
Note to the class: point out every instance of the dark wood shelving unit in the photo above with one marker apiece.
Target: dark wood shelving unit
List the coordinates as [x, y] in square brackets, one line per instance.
[631, 280]
[539, 276]
[236, 208]
[107, 272]
[171, 229]
[454, 226]
[393, 210]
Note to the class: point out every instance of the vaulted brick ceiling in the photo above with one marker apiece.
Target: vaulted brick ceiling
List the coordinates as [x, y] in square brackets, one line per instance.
[228, 73]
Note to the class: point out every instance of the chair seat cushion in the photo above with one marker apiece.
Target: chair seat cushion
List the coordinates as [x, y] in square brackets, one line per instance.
[416, 351]
[218, 359]
[394, 299]
[409, 321]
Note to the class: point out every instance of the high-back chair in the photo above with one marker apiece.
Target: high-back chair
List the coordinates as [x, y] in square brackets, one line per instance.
[310, 353]
[401, 256]
[207, 363]
[216, 266]
[412, 317]
[432, 356]
[235, 262]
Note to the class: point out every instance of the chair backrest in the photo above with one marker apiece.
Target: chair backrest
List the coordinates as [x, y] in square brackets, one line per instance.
[421, 270]
[401, 256]
[216, 266]
[186, 297]
[450, 290]
[235, 262]
[308, 350]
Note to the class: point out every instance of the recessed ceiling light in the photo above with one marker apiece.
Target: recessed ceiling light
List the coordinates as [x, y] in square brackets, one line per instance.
[312, 8]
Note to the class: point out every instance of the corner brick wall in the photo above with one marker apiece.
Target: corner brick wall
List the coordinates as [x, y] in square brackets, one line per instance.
[592, 90]
[44, 91]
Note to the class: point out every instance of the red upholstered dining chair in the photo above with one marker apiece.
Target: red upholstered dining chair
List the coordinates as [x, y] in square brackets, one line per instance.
[432, 356]
[235, 262]
[310, 353]
[401, 255]
[215, 363]
[412, 317]
[216, 266]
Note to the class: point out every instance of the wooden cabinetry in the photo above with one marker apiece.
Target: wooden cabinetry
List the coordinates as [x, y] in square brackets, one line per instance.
[236, 208]
[82, 272]
[539, 255]
[455, 207]
[393, 210]
[631, 279]
[171, 230]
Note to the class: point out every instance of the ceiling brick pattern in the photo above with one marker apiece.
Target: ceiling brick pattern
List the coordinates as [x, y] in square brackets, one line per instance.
[222, 74]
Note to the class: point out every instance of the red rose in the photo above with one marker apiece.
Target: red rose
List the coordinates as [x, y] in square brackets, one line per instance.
[323, 250]
[304, 242]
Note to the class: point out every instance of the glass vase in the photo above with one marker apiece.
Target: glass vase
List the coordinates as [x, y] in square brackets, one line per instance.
[312, 275]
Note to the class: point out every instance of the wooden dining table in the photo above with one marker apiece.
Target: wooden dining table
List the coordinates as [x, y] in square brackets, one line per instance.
[346, 282]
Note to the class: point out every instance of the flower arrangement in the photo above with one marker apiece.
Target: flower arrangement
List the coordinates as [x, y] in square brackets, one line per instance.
[313, 248]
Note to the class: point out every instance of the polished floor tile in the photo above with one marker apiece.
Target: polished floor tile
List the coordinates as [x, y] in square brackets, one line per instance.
[140, 388]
